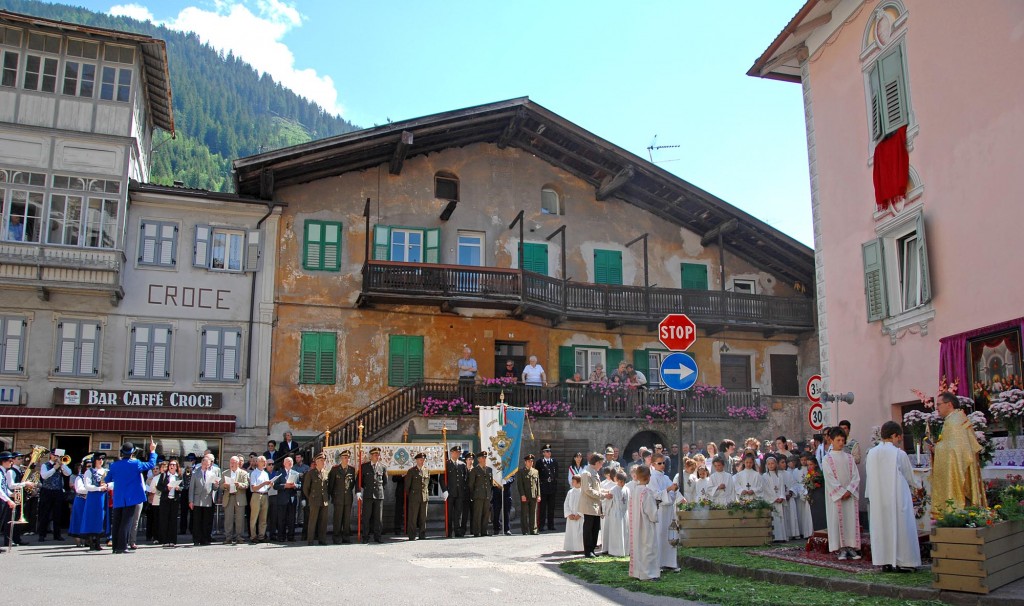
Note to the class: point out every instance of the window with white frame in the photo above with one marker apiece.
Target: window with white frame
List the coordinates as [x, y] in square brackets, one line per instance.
[78, 348]
[150, 353]
[23, 195]
[587, 359]
[88, 219]
[550, 202]
[219, 358]
[471, 248]
[219, 248]
[116, 82]
[8, 67]
[896, 277]
[41, 62]
[654, 360]
[12, 345]
[407, 245]
[158, 243]
[744, 285]
[883, 54]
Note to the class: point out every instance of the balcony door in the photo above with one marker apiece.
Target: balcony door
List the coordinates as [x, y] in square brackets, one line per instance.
[509, 350]
[471, 252]
[407, 245]
[736, 372]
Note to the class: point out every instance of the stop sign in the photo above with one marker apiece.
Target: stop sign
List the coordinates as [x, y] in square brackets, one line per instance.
[677, 332]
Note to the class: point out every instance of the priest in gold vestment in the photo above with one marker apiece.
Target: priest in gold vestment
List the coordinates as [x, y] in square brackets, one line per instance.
[956, 471]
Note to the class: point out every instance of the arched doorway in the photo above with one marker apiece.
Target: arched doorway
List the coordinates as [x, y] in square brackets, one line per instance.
[644, 438]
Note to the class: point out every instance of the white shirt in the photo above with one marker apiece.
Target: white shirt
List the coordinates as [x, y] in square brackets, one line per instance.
[44, 473]
[532, 375]
[257, 476]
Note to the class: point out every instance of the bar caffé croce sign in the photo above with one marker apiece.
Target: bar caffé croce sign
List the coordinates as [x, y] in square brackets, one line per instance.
[126, 398]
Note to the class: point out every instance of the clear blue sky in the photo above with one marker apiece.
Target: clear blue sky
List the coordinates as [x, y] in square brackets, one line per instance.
[626, 71]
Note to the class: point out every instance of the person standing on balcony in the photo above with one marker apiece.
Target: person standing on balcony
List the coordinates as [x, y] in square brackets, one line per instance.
[15, 229]
[510, 370]
[467, 369]
[534, 375]
[598, 375]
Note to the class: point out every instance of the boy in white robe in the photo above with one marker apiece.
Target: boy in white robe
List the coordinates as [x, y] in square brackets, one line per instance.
[890, 477]
[687, 481]
[615, 521]
[775, 493]
[748, 482]
[607, 483]
[573, 519]
[792, 477]
[723, 491]
[644, 562]
[666, 493]
[842, 482]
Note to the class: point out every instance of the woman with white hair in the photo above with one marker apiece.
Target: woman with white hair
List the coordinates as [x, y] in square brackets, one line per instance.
[534, 375]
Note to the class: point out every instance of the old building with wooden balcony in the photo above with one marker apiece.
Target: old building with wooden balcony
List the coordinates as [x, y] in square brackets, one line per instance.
[507, 229]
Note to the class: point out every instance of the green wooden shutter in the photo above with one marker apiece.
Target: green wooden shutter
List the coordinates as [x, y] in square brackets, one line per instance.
[331, 257]
[381, 242]
[607, 266]
[396, 361]
[432, 247]
[566, 362]
[312, 247]
[874, 280]
[641, 362]
[695, 276]
[535, 258]
[328, 363]
[613, 358]
[875, 85]
[310, 347]
[413, 360]
[893, 87]
[926, 282]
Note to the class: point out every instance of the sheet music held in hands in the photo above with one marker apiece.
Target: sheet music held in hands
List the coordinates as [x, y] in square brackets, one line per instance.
[292, 478]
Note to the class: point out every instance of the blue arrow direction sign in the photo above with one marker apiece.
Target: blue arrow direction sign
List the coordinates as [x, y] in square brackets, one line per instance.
[679, 371]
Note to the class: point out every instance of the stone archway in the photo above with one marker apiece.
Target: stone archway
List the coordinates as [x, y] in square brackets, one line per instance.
[646, 438]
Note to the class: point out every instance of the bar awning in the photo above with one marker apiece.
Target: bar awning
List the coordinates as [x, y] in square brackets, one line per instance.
[68, 418]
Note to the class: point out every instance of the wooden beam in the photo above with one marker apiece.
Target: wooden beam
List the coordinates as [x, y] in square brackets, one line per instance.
[266, 184]
[611, 184]
[448, 210]
[723, 228]
[511, 128]
[808, 26]
[401, 151]
[792, 53]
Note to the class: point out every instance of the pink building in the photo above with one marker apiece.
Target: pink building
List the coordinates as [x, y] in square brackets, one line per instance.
[915, 120]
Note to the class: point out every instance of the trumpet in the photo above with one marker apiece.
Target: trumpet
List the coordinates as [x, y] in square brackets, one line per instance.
[65, 460]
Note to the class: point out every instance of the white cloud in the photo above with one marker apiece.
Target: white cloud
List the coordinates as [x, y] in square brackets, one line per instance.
[254, 37]
[135, 11]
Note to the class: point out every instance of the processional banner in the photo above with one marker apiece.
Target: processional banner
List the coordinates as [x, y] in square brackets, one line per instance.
[398, 457]
[501, 434]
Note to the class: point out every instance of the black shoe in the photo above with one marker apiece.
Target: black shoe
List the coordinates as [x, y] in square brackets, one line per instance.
[887, 568]
[589, 555]
[905, 569]
[58, 538]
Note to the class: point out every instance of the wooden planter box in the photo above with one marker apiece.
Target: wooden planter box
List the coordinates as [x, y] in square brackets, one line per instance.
[977, 560]
[724, 529]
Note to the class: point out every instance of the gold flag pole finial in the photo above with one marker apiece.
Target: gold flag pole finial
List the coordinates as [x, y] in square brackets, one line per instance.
[327, 438]
[501, 396]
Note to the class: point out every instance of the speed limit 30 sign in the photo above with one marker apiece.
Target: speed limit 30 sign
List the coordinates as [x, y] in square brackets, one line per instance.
[816, 416]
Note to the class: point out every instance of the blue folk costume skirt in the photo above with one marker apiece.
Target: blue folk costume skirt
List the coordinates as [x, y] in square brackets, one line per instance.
[77, 516]
[95, 515]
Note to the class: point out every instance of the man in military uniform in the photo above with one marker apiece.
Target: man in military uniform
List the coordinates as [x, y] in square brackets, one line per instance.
[547, 468]
[314, 488]
[501, 507]
[528, 483]
[417, 491]
[372, 476]
[480, 481]
[467, 503]
[341, 483]
[454, 486]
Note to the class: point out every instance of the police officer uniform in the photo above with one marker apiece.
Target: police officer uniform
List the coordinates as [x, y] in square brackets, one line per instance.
[547, 469]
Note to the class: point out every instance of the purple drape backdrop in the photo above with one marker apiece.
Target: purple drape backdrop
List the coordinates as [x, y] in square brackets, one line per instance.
[953, 352]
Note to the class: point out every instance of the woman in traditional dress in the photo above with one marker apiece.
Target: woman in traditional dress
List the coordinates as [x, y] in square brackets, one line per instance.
[78, 506]
[573, 541]
[96, 521]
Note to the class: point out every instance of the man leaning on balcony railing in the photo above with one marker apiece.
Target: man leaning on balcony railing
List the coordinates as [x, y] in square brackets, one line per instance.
[467, 374]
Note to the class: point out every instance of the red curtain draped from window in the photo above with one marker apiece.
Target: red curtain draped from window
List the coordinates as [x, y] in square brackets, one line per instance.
[953, 361]
[891, 168]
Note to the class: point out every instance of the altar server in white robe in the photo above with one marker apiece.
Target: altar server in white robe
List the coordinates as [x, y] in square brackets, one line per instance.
[644, 562]
[889, 480]
[573, 519]
[687, 480]
[667, 493]
[616, 521]
[804, 499]
[749, 483]
[723, 490]
[842, 482]
[792, 477]
[774, 492]
[607, 483]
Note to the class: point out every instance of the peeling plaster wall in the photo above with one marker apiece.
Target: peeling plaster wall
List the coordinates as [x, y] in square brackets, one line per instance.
[493, 186]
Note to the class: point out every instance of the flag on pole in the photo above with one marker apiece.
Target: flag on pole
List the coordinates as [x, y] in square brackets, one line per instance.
[501, 434]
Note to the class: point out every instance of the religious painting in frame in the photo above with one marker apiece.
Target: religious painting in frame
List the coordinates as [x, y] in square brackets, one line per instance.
[994, 365]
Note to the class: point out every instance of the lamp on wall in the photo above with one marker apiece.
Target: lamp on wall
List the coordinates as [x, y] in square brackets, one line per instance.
[724, 348]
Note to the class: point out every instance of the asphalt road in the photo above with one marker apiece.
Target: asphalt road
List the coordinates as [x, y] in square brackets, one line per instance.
[467, 571]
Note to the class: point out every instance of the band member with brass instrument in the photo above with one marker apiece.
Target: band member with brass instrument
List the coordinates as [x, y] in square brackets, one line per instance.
[372, 477]
[341, 484]
[51, 495]
[16, 476]
[417, 491]
[7, 499]
[314, 488]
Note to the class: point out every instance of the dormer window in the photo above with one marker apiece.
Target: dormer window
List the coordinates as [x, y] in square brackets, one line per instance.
[550, 202]
[446, 187]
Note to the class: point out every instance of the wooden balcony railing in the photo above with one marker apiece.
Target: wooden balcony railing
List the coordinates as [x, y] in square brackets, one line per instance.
[527, 292]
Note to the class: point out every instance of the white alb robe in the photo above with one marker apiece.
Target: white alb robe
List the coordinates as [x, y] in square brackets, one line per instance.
[748, 480]
[688, 487]
[889, 478]
[775, 493]
[659, 484]
[842, 516]
[702, 489]
[803, 500]
[644, 562]
[792, 509]
[606, 485]
[573, 528]
[616, 523]
[722, 496]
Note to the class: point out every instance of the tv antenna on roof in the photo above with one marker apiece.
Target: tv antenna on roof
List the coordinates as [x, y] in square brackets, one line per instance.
[653, 146]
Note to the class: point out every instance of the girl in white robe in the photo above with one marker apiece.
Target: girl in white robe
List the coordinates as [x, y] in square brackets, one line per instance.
[775, 493]
[723, 491]
[573, 519]
[607, 483]
[702, 486]
[806, 519]
[792, 478]
[749, 484]
[687, 481]
[842, 483]
[615, 521]
[644, 562]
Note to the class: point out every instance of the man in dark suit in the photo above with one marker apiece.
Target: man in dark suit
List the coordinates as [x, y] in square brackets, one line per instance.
[372, 476]
[288, 446]
[287, 483]
[417, 491]
[126, 477]
[341, 483]
[454, 487]
[547, 468]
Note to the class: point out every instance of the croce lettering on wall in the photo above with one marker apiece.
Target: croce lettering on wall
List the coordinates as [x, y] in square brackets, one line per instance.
[188, 296]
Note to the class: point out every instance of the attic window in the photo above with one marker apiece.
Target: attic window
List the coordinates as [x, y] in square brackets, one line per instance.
[446, 186]
[550, 202]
